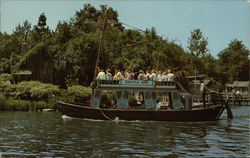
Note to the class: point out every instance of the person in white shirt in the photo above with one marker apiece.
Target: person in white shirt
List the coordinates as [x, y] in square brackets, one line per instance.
[203, 90]
[202, 86]
[101, 75]
[153, 75]
[158, 105]
[170, 76]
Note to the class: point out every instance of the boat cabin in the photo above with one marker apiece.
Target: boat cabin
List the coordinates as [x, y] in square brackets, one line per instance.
[194, 88]
[149, 95]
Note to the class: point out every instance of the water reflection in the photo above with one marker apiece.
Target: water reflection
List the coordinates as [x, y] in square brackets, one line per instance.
[50, 135]
[139, 137]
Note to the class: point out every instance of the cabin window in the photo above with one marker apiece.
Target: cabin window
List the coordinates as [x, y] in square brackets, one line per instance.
[125, 94]
[119, 94]
[154, 95]
[175, 95]
[97, 94]
[147, 95]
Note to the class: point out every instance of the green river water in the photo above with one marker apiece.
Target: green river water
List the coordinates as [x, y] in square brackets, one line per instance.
[40, 134]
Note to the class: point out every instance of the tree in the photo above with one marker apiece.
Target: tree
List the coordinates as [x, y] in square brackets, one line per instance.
[42, 25]
[85, 19]
[41, 30]
[10, 44]
[234, 62]
[151, 33]
[80, 55]
[197, 44]
[23, 30]
[74, 46]
[64, 33]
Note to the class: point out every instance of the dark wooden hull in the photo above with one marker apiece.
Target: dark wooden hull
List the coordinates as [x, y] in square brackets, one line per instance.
[211, 113]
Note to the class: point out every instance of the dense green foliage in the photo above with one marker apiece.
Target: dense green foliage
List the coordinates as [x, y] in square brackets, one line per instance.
[234, 63]
[197, 43]
[34, 95]
[44, 52]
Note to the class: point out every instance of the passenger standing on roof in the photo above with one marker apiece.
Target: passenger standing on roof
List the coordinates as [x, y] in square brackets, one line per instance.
[164, 76]
[159, 76]
[170, 76]
[127, 75]
[108, 75]
[141, 75]
[153, 75]
[134, 75]
[147, 75]
[119, 75]
[115, 75]
[101, 75]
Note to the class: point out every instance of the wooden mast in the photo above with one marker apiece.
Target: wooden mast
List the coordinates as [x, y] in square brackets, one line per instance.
[99, 49]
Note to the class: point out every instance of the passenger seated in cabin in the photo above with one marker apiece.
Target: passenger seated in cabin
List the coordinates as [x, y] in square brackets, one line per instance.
[106, 101]
[238, 95]
[170, 76]
[101, 75]
[134, 104]
[158, 105]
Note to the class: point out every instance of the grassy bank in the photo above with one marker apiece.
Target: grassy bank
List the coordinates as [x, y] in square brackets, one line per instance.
[35, 96]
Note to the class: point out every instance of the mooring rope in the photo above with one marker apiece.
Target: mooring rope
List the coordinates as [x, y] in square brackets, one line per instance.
[106, 115]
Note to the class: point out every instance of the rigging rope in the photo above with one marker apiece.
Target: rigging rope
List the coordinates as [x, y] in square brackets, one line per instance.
[115, 119]
[133, 27]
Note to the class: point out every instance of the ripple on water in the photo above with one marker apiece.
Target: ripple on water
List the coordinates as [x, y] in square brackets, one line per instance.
[49, 135]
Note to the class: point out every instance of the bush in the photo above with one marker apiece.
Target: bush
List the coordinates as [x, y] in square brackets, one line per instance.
[13, 104]
[34, 90]
[2, 101]
[6, 88]
[44, 92]
[38, 105]
[34, 95]
[6, 78]
[79, 90]
[79, 93]
[17, 105]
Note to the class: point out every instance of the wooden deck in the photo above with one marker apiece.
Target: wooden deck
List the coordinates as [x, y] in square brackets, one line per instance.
[237, 100]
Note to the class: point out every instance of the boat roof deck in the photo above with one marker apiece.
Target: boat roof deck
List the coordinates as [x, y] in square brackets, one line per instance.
[136, 84]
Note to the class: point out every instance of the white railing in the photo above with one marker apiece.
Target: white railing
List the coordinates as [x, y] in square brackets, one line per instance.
[135, 84]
